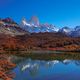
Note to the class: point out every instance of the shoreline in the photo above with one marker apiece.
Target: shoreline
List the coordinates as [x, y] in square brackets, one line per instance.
[6, 65]
[45, 55]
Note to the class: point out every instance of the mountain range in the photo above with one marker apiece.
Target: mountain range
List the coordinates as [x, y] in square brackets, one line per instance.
[9, 26]
[32, 35]
[34, 26]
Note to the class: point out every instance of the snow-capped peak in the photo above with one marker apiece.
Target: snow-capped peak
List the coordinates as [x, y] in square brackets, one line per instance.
[25, 23]
[33, 25]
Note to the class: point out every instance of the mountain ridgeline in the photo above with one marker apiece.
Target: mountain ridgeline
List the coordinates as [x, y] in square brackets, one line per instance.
[9, 26]
[32, 35]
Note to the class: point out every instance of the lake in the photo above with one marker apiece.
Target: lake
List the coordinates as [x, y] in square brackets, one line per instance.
[30, 69]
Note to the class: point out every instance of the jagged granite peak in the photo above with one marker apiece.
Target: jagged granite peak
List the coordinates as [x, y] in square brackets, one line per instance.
[34, 20]
[34, 26]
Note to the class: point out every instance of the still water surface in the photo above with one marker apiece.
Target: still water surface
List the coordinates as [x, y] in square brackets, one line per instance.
[48, 70]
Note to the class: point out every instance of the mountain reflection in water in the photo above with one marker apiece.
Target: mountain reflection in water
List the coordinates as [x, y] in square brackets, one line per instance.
[48, 70]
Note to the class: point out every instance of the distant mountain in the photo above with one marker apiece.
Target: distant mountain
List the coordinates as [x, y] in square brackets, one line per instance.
[76, 32]
[33, 25]
[66, 30]
[71, 32]
[77, 28]
[10, 27]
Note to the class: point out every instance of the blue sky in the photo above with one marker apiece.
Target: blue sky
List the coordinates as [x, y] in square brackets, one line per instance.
[58, 12]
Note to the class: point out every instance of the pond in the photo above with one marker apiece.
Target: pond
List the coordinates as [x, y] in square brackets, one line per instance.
[48, 70]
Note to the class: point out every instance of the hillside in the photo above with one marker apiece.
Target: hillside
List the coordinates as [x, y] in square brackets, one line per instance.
[40, 41]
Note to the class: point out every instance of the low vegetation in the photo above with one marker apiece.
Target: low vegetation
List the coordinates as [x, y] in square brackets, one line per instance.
[40, 41]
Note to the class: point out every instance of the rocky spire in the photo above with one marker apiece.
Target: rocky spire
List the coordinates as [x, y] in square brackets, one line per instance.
[34, 20]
